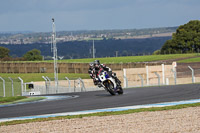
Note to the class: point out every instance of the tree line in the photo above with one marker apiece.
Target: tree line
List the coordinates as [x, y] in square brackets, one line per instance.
[185, 40]
[32, 55]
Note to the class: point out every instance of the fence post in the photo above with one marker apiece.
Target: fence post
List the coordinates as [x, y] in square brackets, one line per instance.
[69, 83]
[158, 77]
[12, 85]
[167, 81]
[125, 79]
[141, 80]
[22, 83]
[163, 74]
[82, 84]
[49, 80]
[126, 82]
[147, 72]
[193, 78]
[46, 84]
[174, 72]
[74, 85]
[4, 88]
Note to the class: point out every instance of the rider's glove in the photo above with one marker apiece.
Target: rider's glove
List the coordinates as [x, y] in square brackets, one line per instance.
[114, 74]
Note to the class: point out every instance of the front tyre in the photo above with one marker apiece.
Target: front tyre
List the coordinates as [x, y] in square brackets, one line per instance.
[110, 87]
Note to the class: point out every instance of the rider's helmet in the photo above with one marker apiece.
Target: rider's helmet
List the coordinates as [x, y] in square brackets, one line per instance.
[91, 65]
[97, 64]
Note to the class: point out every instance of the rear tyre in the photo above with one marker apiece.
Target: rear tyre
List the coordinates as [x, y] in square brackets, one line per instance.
[120, 92]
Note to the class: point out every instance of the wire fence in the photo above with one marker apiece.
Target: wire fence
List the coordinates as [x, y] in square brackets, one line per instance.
[10, 87]
[143, 77]
[65, 85]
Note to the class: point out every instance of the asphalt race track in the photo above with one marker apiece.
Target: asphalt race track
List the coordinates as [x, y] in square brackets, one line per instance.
[102, 99]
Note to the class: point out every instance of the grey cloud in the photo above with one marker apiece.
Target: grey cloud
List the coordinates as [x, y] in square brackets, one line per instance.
[95, 14]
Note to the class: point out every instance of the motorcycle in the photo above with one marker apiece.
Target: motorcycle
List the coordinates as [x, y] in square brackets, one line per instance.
[108, 83]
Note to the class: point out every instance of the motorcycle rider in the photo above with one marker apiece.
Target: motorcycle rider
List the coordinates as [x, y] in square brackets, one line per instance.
[94, 69]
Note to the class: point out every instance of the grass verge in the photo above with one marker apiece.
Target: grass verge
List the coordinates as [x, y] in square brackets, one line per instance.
[26, 99]
[128, 59]
[101, 114]
[11, 99]
[191, 60]
[124, 59]
[28, 77]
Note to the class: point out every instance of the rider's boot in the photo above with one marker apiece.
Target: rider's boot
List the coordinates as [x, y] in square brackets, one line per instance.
[117, 88]
[118, 82]
[99, 85]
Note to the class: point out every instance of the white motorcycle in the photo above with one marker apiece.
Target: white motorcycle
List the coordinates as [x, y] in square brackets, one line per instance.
[108, 83]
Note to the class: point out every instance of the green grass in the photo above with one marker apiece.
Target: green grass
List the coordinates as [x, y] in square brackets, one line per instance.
[124, 59]
[8, 88]
[28, 77]
[101, 114]
[11, 99]
[128, 59]
[191, 60]
[20, 99]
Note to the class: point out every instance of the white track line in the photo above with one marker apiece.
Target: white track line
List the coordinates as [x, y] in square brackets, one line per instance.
[103, 110]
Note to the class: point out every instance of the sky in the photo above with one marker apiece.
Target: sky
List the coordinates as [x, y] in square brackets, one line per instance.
[71, 15]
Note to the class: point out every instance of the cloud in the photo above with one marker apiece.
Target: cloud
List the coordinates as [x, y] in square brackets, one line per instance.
[95, 14]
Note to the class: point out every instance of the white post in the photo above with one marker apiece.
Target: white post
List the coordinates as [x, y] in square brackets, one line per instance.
[147, 71]
[12, 85]
[68, 81]
[25, 86]
[55, 55]
[4, 88]
[93, 49]
[47, 92]
[167, 81]
[22, 83]
[193, 77]
[163, 73]
[125, 80]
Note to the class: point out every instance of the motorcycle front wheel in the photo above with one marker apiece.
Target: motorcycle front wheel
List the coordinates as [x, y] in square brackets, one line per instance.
[110, 87]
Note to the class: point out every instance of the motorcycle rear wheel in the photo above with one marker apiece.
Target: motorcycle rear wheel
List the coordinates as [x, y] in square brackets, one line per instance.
[120, 92]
